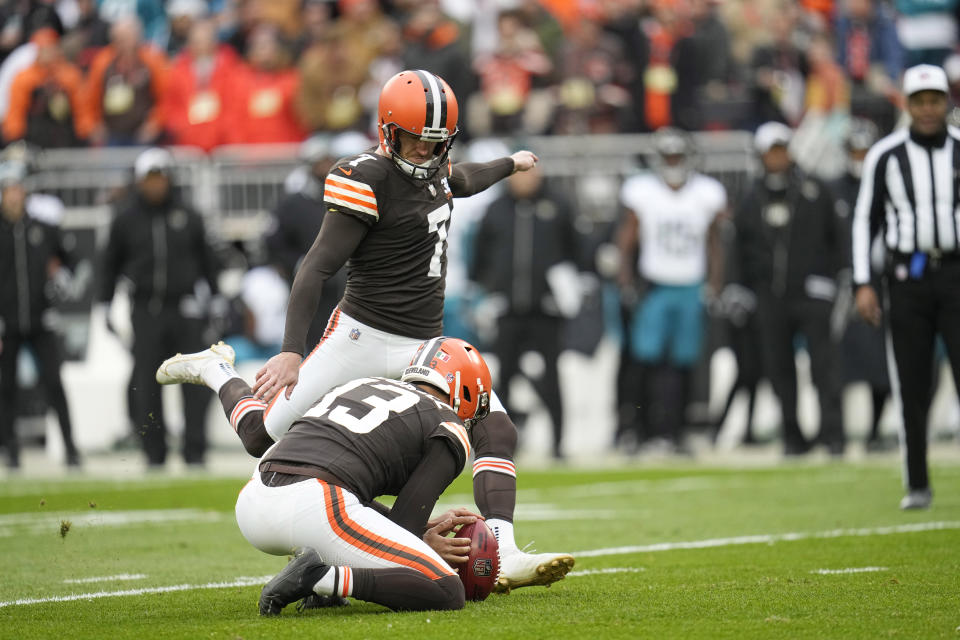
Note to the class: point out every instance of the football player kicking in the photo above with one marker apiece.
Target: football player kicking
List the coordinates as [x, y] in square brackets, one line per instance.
[313, 491]
[388, 212]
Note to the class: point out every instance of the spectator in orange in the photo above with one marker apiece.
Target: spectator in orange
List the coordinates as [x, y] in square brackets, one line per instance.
[433, 41]
[46, 99]
[198, 85]
[595, 76]
[125, 87]
[828, 90]
[262, 94]
[361, 29]
[508, 77]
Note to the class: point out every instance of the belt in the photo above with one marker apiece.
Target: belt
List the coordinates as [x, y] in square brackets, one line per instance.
[280, 474]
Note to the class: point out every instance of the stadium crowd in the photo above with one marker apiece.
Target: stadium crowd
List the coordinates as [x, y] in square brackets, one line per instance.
[203, 74]
[192, 72]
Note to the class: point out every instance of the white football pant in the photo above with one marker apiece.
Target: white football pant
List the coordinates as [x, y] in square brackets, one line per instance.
[312, 513]
[348, 350]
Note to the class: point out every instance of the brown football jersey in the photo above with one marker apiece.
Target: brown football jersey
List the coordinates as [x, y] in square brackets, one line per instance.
[396, 275]
[371, 433]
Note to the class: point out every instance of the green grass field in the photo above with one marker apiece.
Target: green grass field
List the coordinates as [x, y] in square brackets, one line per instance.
[664, 552]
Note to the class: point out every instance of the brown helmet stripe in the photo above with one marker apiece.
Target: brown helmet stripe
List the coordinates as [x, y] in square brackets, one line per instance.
[436, 115]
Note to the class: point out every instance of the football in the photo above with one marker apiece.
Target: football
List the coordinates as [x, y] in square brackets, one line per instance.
[479, 573]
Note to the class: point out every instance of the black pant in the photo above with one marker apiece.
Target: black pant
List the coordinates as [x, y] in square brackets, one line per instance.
[919, 309]
[629, 391]
[156, 337]
[780, 320]
[745, 344]
[517, 334]
[47, 349]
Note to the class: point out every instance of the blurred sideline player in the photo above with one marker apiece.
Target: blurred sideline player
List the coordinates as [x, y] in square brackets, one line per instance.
[672, 217]
[863, 345]
[313, 492]
[388, 212]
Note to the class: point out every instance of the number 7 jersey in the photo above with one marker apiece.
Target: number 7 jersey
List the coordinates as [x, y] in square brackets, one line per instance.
[371, 433]
[396, 276]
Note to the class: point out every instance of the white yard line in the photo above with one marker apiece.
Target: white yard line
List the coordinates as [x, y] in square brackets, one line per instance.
[663, 546]
[830, 572]
[769, 538]
[238, 582]
[120, 577]
[13, 524]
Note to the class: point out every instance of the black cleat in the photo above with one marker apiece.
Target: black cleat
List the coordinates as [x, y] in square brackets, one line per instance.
[313, 601]
[293, 583]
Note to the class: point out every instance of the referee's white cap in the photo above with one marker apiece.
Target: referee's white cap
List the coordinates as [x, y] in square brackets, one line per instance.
[925, 77]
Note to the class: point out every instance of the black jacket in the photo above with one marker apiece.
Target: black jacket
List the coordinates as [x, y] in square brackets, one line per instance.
[162, 249]
[297, 221]
[845, 190]
[26, 249]
[516, 243]
[785, 236]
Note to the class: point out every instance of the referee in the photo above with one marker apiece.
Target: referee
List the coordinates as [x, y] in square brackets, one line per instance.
[909, 195]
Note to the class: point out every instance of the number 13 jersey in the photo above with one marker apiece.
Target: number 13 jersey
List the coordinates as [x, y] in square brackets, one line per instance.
[371, 433]
[395, 278]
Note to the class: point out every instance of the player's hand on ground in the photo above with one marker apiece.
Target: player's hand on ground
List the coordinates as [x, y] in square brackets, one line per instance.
[867, 305]
[453, 550]
[524, 160]
[282, 370]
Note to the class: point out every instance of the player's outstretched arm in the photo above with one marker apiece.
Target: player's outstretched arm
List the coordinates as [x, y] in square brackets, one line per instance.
[468, 178]
[524, 160]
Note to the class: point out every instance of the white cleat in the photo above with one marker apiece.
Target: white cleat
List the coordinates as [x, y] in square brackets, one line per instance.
[917, 499]
[521, 569]
[185, 368]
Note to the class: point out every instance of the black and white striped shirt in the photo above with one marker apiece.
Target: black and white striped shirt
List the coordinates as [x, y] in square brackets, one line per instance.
[910, 193]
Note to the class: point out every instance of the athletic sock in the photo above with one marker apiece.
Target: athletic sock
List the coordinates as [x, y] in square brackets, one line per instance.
[337, 581]
[217, 374]
[503, 532]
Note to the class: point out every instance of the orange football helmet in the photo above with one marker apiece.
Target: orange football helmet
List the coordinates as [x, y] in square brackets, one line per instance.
[456, 368]
[422, 104]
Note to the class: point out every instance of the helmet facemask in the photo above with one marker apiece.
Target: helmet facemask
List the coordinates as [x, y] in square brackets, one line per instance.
[674, 158]
[424, 171]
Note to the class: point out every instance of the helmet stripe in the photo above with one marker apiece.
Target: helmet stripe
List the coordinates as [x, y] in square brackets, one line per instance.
[441, 120]
[436, 101]
[428, 350]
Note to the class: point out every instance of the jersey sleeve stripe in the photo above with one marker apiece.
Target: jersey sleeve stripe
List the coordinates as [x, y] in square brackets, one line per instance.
[346, 183]
[496, 465]
[353, 204]
[461, 433]
[366, 196]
